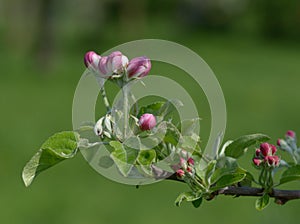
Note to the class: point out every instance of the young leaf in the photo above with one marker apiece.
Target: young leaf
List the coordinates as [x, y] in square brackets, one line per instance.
[210, 169]
[188, 127]
[186, 196]
[291, 174]
[247, 181]
[145, 160]
[262, 202]
[197, 202]
[220, 172]
[228, 180]
[239, 146]
[153, 108]
[57, 148]
[123, 157]
[189, 143]
[168, 107]
[172, 135]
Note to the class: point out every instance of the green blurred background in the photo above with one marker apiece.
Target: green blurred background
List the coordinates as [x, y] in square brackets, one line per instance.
[252, 46]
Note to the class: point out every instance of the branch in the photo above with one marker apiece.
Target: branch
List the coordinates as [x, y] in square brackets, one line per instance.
[281, 196]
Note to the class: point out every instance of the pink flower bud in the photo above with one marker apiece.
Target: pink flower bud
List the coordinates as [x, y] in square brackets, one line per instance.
[279, 142]
[276, 160]
[190, 161]
[257, 161]
[291, 134]
[189, 169]
[265, 149]
[139, 67]
[103, 65]
[273, 149]
[116, 62]
[257, 152]
[272, 160]
[269, 160]
[147, 122]
[91, 59]
[182, 162]
[180, 173]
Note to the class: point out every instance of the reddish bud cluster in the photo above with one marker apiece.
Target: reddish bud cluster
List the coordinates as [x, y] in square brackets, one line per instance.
[266, 155]
[185, 166]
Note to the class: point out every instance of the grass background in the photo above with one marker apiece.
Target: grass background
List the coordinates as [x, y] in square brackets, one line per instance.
[260, 80]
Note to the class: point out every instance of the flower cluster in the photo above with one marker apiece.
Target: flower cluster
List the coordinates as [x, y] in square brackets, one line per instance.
[265, 156]
[116, 64]
[289, 144]
[185, 167]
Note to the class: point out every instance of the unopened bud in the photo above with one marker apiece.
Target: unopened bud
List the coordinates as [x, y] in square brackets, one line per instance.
[265, 149]
[291, 134]
[279, 142]
[189, 169]
[139, 67]
[91, 59]
[257, 152]
[273, 149]
[116, 62]
[180, 173]
[191, 161]
[272, 160]
[257, 161]
[147, 122]
[98, 128]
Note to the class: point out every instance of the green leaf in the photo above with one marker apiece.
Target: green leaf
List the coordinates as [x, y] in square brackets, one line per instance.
[262, 202]
[160, 109]
[153, 108]
[291, 174]
[239, 146]
[210, 169]
[169, 106]
[148, 141]
[228, 180]
[188, 127]
[145, 160]
[123, 157]
[189, 143]
[247, 181]
[172, 135]
[60, 146]
[220, 172]
[186, 196]
[197, 202]
[105, 162]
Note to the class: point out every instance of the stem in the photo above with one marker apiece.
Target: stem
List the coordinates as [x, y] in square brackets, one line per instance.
[281, 196]
[125, 109]
[105, 99]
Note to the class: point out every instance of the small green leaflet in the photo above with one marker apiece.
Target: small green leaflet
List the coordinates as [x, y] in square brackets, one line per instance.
[188, 196]
[60, 146]
[227, 180]
[197, 202]
[239, 146]
[262, 202]
[123, 158]
[145, 159]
